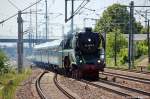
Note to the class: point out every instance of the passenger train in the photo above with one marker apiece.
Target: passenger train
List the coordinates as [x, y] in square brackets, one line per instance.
[81, 54]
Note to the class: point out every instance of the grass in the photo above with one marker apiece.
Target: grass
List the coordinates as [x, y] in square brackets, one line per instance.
[110, 64]
[10, 81]
[148, 68]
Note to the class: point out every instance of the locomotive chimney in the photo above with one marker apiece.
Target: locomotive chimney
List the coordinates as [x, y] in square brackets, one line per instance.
[88, 29]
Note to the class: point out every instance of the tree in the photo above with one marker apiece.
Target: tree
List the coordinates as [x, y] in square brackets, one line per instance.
[116, 16]
[121, 42]
[121, 46]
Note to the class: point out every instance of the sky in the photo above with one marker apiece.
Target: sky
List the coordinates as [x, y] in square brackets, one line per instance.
[9, 28]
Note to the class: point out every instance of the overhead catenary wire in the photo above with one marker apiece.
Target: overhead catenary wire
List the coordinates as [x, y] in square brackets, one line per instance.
[78, 9]
[13, 5]
[80, 6]
[21, 11]
[141, 14]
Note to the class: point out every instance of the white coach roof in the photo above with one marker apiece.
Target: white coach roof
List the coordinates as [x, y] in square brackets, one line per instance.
[49, 45]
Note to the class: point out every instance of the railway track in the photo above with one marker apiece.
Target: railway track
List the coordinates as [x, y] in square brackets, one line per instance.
[134, 71]
[61, 89]
[127, 88]
[119, 89]
[106, 87]
[38, 87]
[142, 72]
[109, 86]
[41, 93]
[127, 77]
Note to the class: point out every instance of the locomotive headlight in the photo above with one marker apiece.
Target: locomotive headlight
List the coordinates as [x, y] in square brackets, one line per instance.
[89, 39]
[80, 61]
[98, 61]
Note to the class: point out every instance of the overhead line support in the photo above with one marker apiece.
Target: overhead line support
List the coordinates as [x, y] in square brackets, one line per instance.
[130, 35]
[20, 42]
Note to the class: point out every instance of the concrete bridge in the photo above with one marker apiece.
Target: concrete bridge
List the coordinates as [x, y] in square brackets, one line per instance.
[4, 40]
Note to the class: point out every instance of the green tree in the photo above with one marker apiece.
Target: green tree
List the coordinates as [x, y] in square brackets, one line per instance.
[121, 42]
[116, 16]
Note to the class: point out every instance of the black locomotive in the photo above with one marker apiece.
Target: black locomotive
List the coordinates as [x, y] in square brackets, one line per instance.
[89, 53]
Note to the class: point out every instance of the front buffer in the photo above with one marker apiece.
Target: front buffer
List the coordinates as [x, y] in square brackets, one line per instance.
[90, 71]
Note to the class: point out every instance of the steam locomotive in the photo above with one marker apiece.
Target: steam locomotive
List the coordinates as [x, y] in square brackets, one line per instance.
[79, 55]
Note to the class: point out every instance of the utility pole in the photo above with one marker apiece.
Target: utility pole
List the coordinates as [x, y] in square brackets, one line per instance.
[20, 42]
[36, 23]
[30, 32]
[116, 48]
[145, 18]
[130, 34]
[72, 22]
[148, 41]
[46, 19]
[63, 30]
[65, 10]
[115, 56]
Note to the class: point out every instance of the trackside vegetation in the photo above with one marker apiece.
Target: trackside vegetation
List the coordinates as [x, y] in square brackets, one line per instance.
[9, 78]
[4, 68]
[115, 23]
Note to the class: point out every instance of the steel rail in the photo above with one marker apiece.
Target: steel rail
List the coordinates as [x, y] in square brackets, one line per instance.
[61, 89]
[38, 87]
[106, 88]
[134, 71]
[127, 88]
[132, 78]
[124, 93]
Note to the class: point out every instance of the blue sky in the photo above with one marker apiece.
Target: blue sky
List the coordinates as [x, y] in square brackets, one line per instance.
[9, 28]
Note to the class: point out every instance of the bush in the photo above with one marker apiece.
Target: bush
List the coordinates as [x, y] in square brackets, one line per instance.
[141, 48]
[4, 68]
[123, 55]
